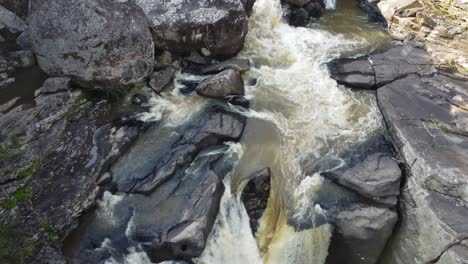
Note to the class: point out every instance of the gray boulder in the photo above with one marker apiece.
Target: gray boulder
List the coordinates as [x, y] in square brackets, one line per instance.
[428, 124]
[248, 6]
[360, 234]
[193, 25]
[228, 82]
[99, 44]
[299, 3]
[160, 79]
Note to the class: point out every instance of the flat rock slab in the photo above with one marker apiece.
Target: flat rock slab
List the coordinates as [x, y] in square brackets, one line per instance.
[160, 79]
[374, 71]
[427, 119]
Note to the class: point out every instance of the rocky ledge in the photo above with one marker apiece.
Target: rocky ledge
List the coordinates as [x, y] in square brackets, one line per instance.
[427, 118]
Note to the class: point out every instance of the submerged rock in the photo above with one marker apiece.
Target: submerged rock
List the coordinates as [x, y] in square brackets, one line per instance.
[228, 82]
[192, 25]
[114, 47]
[255, 196]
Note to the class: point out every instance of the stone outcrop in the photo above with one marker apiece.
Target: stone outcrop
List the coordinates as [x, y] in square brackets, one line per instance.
[427, 118]
[169, 201]
[255, 196]
[218, 27]
[113, 48]
[9, 19]
[51, 157]
[376, 70]
[428, 121]
[440, 25]
[364, 216]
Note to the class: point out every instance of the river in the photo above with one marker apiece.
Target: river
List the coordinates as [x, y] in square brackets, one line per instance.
[298, 116]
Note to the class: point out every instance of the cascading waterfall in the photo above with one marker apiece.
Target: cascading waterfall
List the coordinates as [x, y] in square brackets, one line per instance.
[298, 115]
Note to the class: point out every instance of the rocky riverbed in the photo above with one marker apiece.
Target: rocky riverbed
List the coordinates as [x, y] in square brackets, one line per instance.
[234, 131]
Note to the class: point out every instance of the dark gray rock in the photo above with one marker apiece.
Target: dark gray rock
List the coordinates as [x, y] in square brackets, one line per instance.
[113, 48]
[212, 128]
[255, 196]
[54, 85]
[173, 196]
[298, 17]
[248, 6]
[238, 100]
[18, 59]
[299, 3]
[377, 177]
[228, 82]
[160, 79]
[240, 65]
[373, 11]
[376, 70]
[355, 73]
[427, 121]
[315, 9]
[360, 235]
[192, 25]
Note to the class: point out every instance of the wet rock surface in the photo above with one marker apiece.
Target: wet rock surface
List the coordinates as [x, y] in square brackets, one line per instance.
[168, 204]
[114, 47]
[255, 196]
[220, 25]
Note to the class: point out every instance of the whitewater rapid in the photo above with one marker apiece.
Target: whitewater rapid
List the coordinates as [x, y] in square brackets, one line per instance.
[298, 115]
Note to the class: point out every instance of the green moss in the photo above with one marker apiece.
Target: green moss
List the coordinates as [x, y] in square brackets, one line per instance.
[7, 171]
[15, 142]
[49, 230]
[28, 172]
[14, 249]
[6, 154]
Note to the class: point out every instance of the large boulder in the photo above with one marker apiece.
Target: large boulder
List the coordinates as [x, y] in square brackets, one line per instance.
[427, 119]
[190, 25]
[98, 43]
